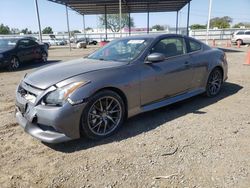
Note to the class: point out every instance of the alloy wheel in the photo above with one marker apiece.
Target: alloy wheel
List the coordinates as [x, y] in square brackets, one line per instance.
[14, 64]
[44, 57]
[214, 83]
[104, 116]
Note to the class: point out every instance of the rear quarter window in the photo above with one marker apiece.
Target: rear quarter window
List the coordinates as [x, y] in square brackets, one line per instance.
[247, 33]
[194, 46]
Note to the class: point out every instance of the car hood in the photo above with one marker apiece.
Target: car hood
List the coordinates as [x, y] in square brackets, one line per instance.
[54, 74]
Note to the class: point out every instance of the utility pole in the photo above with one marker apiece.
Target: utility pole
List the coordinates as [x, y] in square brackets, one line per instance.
[38, 20]
[208, 21]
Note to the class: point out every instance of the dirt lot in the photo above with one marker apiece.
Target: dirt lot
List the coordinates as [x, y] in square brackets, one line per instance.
[200, 142]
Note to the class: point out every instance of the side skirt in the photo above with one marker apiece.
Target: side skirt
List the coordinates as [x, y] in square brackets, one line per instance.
[172, 100]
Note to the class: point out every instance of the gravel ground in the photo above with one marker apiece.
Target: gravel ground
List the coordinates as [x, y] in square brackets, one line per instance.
[201, 142]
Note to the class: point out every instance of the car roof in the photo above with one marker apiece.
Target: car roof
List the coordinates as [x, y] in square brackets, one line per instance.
[152, 36]
[16, 38]
[242, 31]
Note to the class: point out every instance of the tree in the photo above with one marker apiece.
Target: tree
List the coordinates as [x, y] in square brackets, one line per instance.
[4, 29]
[221, 22]
[113, 21]
[242, 24]
[26, 31]
[47, 30]
[72, 33]
[88, 29]
[15, 31]
[198, 26]
[158, 27]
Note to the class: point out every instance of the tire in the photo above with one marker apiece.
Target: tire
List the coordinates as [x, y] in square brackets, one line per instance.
[103, 115]
[44, 57]
[240, 41]
[14, 64]
[214, 83]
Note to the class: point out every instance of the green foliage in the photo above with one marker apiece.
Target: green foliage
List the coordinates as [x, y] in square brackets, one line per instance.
[221, 22]
[242, 24]
[47, 30]
[15, 31]
[198, 26]
[89, 29]
[72, 33]
[26, 31]
[4, 29]
[158, 27]
[113, 21]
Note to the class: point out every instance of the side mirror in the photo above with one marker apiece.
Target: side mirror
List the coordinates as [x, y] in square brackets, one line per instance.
[155, 57]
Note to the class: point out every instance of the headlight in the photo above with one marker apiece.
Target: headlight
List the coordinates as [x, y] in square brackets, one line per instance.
[60, 95]
[1, 56]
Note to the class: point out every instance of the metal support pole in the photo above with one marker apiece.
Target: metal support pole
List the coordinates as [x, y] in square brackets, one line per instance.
[120, 10]
[84, 28]
[38, 20]
[106, 24]
[129, 24]
[208, 21]
[188, 18]
[148, 21]
[177, 20]
[67, 15]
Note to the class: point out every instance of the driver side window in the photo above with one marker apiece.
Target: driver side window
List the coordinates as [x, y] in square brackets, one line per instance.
[23, 43]
[170, 47]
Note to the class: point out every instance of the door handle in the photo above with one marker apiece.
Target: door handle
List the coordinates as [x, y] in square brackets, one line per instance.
[186, 63]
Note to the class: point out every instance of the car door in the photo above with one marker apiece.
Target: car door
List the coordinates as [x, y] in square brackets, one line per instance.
[23, 50]
[36, 50]
[167, 78]
[199, 63]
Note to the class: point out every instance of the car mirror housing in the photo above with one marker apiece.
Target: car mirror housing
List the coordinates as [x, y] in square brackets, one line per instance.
[155, 57]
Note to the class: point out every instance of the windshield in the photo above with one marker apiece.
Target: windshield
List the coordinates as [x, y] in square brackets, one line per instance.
[7, 43]
[124, 50]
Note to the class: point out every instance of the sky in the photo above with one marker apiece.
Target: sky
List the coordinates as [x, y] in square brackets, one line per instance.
[21, 14]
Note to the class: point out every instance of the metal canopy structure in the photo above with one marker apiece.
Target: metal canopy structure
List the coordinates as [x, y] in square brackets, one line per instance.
[88, 7]
[95, 7]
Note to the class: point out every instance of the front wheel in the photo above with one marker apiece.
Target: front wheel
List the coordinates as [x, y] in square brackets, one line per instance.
[214, 83]
[14, 64]
[239, 41]
[103, 115]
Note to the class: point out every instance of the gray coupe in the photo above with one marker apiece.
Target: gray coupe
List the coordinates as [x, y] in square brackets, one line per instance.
[93, 96]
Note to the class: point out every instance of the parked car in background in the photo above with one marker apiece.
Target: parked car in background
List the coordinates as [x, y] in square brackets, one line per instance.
[57, 42]
[93, 97]
[88, 41]
[243, 37]
[14, 51]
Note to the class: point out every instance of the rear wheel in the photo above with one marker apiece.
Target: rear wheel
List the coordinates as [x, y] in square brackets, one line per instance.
[14, 64]
[44, 57]
[214, 83]
[103, 115]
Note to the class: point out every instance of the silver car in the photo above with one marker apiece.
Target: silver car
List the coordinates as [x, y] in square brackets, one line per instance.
[243, 37]
[93, 96]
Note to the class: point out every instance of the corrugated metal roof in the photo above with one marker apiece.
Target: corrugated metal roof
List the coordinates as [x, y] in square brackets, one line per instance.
[87, 7]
